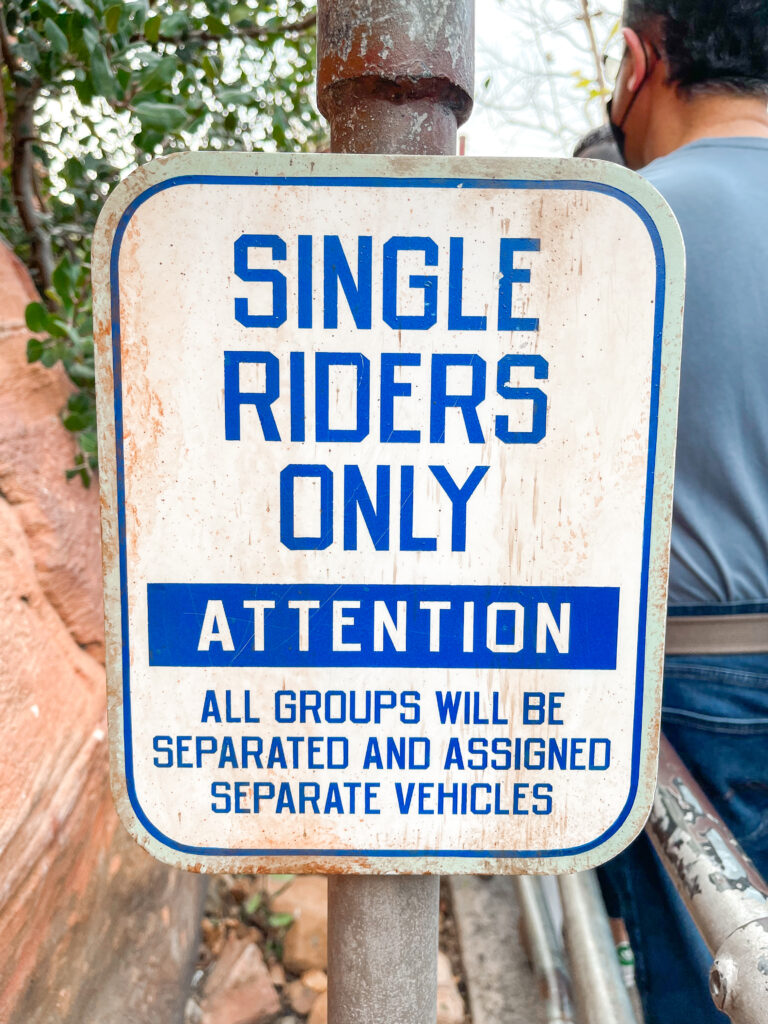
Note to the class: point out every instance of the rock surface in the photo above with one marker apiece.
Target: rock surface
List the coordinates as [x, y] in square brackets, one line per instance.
[304, 991]
[450, 1005]
[319, 1012]
[300, 996]
[93, 930]
[306, 941]
[239, 989]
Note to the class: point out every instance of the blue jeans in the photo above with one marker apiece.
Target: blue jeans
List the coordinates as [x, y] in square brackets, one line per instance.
[716, 717]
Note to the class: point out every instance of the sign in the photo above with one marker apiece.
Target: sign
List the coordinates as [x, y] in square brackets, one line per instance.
[386, 450]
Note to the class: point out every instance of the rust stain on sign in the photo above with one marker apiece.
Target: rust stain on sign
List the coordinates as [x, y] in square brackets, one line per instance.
[386, 506]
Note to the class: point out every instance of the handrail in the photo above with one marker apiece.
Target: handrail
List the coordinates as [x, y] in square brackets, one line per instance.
[725, 896]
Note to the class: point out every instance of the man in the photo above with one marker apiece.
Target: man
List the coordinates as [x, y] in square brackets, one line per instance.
[690, 110]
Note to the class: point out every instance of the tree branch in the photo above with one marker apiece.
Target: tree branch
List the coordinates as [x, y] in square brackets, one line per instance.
[257, 32]
[5, 46]
[586, 17]
[24, 182]
[24, 187]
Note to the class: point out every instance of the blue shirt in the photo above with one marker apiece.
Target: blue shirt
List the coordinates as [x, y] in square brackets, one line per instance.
[718, 190]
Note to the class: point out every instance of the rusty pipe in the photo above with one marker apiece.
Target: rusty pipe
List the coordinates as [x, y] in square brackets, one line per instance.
[725, 896]
[395, 76]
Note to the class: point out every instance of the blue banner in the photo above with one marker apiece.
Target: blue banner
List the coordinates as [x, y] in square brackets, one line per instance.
[383, 626]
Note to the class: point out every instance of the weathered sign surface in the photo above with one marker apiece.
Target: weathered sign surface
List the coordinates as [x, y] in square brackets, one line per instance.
[386, 452]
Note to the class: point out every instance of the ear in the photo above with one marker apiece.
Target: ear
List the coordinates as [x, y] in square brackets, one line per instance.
[637, 60]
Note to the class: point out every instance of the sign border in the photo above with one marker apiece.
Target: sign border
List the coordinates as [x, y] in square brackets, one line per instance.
[351, 172]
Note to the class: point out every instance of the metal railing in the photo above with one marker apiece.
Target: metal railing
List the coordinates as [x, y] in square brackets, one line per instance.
[579, 974]
[544, 949]
[721, 888]
[725, 896]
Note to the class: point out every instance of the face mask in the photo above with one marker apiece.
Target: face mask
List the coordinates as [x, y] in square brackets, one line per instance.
[617, 130]
[619, 135]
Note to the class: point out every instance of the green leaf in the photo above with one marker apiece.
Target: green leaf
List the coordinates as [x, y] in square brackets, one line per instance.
[280, 920]
[56, 37]
[79, 403]
[34, 350]
[84, 91]
[28, 52]
[148, 139]
[56, 327]
[253, 903]
[101, 72]
[216, 26]
[83, 376]
[112, 17]
[90, 38]
[36, 316]
[233, 97]
[85, 476]
[152, 29]
[62, 281]
[160, 115]
[88, 443]
[210, 68]
[76, 421]
[157, 75]
[174, 25]
[138, 13]
[239, 13]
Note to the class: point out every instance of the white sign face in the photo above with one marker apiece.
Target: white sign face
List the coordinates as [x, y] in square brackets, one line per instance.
[386, 458]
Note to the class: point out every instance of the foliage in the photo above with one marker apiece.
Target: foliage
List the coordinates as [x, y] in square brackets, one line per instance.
[90, 89]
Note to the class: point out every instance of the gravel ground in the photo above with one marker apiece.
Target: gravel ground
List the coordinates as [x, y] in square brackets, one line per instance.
[239, 907]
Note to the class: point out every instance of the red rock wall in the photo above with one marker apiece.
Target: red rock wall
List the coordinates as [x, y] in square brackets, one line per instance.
[92, 930]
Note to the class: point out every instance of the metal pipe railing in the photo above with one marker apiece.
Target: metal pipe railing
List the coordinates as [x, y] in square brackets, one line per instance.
[725, 896]
[600, 993]
[545, 950]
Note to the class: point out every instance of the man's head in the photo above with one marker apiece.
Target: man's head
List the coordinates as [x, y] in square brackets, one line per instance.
[598, 144]
[678, 52]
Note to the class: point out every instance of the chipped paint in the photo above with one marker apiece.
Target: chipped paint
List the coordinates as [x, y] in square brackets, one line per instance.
[379, 61]
[725, 895]
[719, 883]
[738, 980]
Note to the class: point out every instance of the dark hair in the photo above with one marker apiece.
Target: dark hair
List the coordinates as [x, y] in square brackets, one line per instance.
[710, 45]
[598, 144]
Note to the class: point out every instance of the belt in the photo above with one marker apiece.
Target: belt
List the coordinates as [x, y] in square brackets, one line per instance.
[717, 634]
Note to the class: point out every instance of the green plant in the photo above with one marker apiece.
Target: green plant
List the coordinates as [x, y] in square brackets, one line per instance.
[93, 88]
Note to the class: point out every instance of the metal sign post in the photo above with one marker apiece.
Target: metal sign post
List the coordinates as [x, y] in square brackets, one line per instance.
[386, 449]
[393, 77]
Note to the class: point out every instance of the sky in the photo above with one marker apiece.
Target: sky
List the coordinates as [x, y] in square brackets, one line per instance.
[530, 57]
